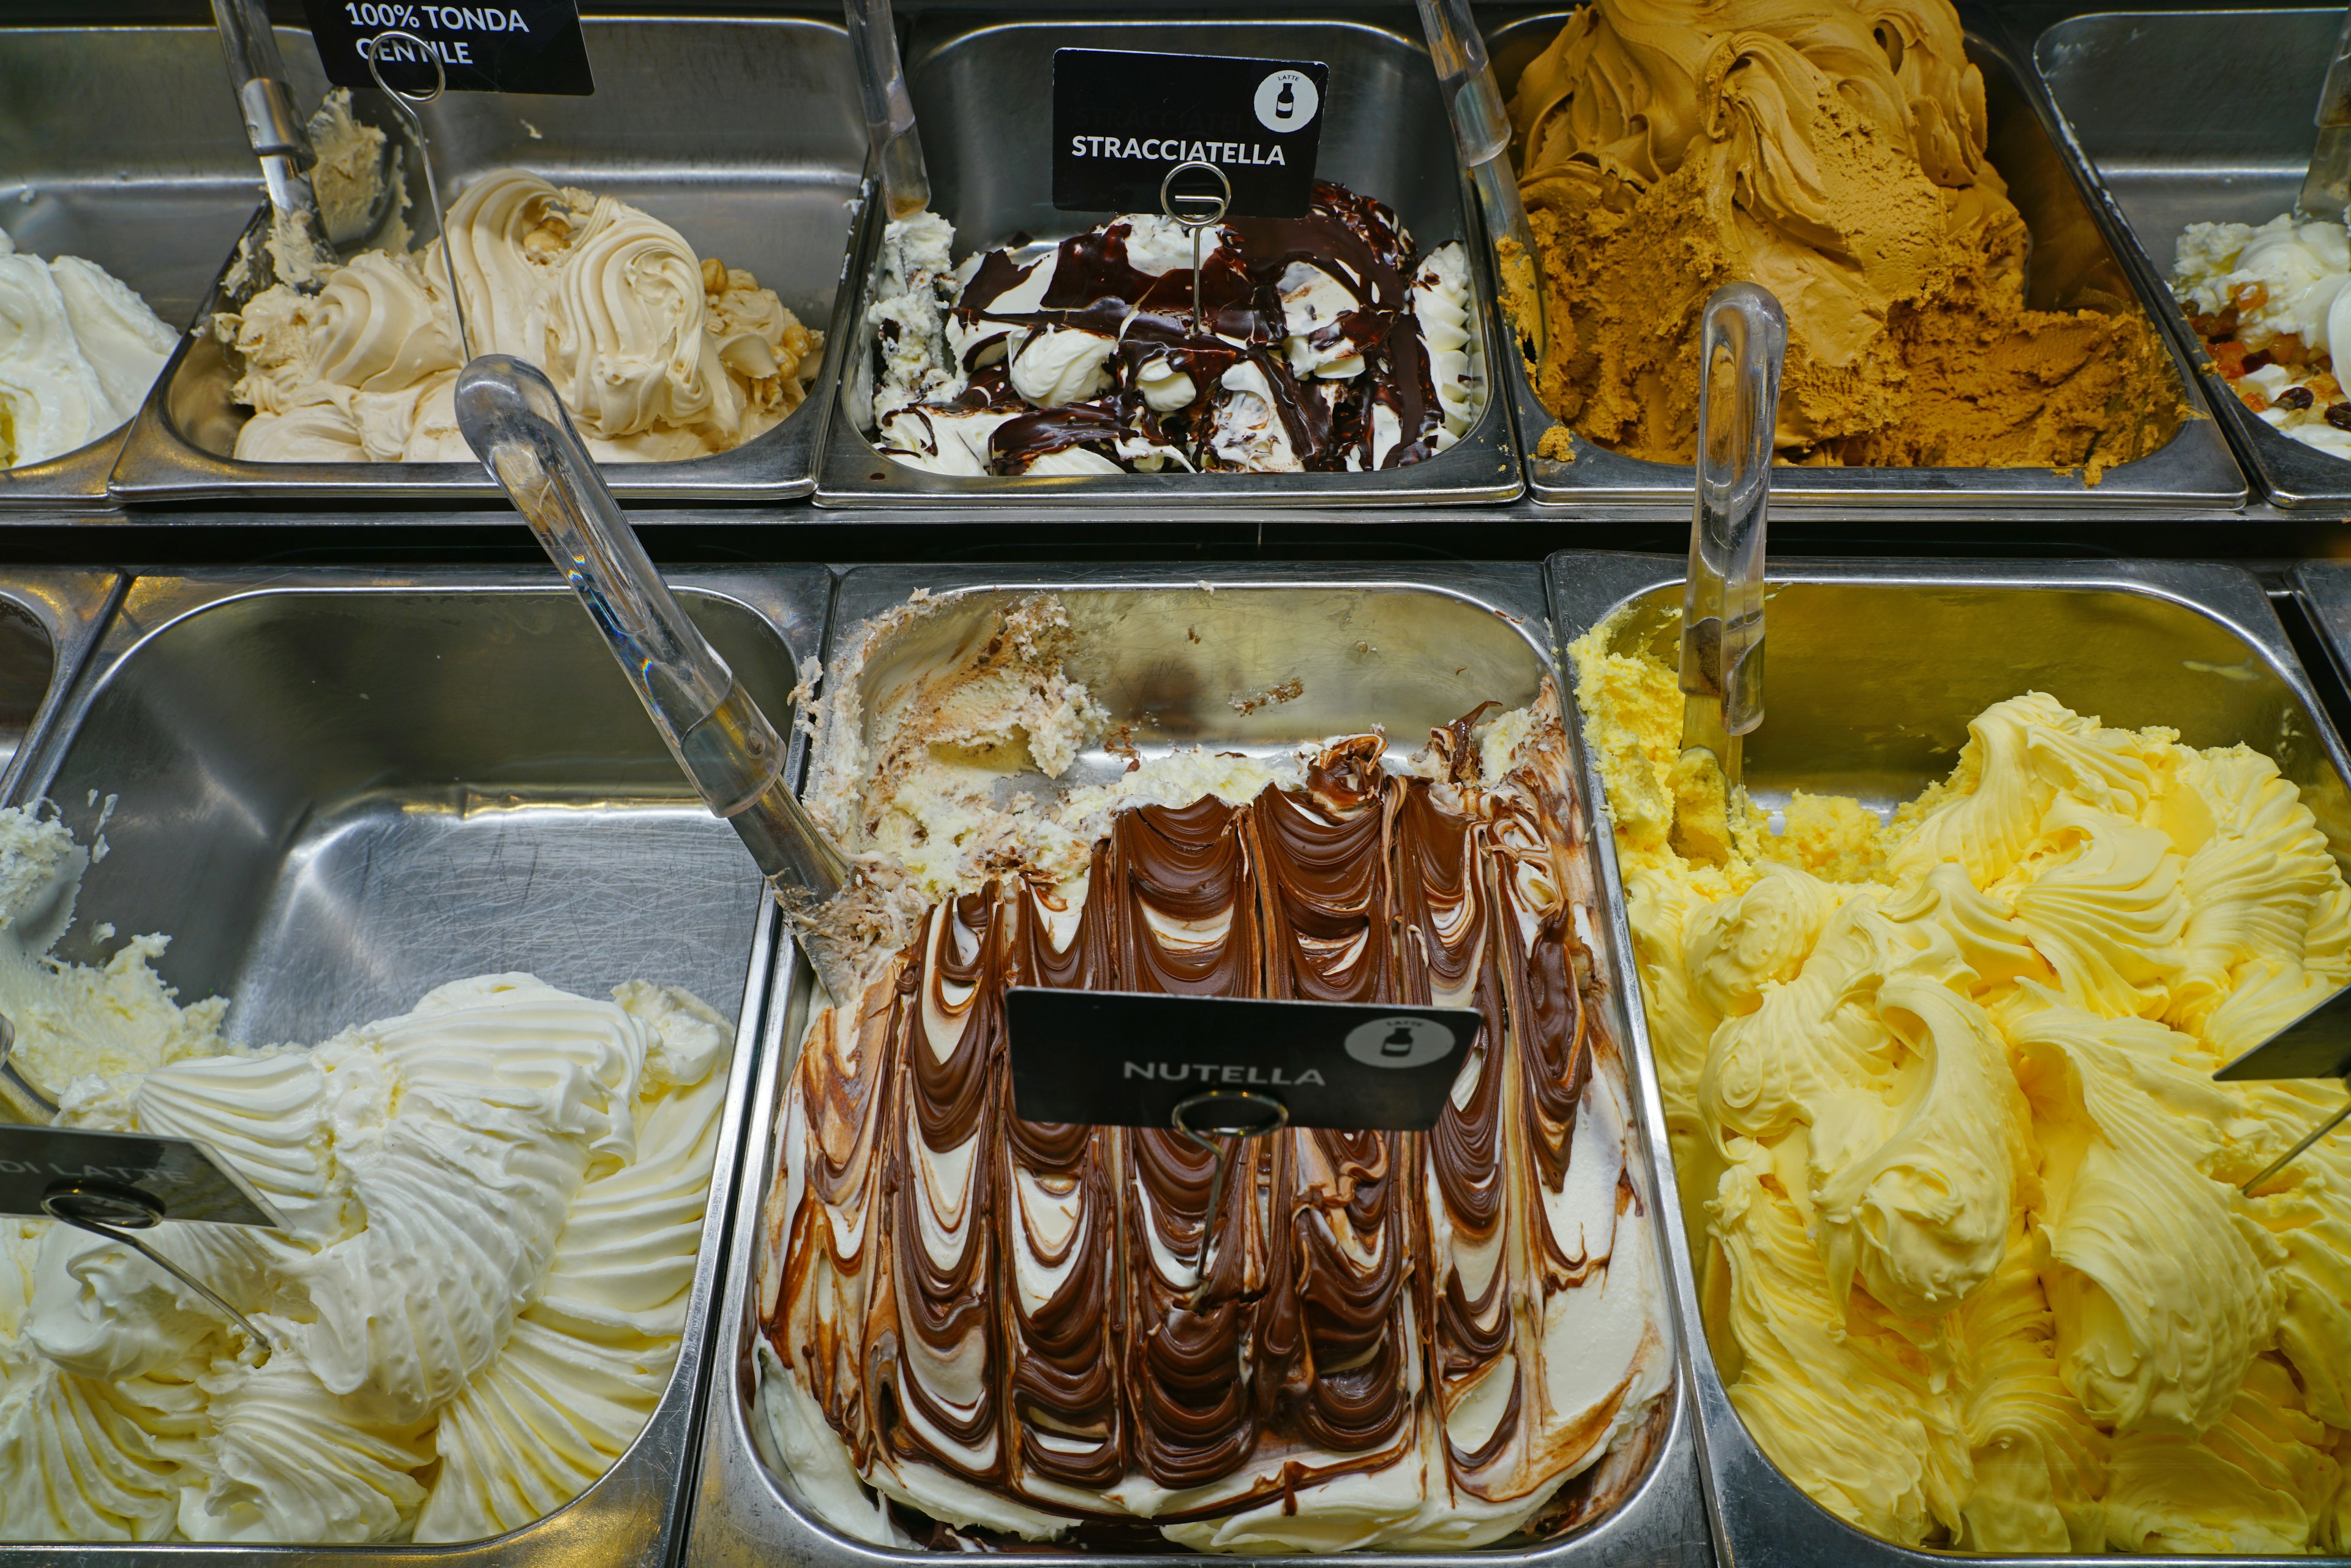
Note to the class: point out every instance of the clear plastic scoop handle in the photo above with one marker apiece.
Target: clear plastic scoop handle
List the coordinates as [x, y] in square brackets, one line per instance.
[1742, 340]
[1481, 132]
[890, 131]
[258, 75]
[511, 417]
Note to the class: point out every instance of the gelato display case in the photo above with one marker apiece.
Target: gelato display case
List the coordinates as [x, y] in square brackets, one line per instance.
[983, 96]
[2146, 102]
[336, 793]
[155, 198]
[2070, 263]
[1181, 666]
[1880, 674]
[741, 134]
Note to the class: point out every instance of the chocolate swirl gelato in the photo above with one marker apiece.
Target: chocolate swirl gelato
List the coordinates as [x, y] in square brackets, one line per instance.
[977, 1326]
[1327, 344]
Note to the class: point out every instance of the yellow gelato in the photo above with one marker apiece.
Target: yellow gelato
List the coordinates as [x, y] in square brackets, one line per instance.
[1964, 1195]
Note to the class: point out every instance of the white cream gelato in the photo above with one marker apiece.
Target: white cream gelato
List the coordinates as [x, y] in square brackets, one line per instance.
[2284, 286]
[492, 1203]
[658, 353]
[77, 352]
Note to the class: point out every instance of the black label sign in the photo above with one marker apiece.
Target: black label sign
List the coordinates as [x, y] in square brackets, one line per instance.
[521, 46]
[1122, 120]
[1125, 1059]
[188, 1179]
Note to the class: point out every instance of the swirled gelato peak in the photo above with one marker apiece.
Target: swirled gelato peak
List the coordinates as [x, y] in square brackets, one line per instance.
[658, 352]
[492, 1207]
[978, 1328]
[1965, 1199]
[78, 348]
[1835, 152]
[1327, 344]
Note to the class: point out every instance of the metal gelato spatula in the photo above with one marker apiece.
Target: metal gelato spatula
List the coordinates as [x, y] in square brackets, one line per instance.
[1742, 340]
[258, 76]
[2315, 1045]
[1481, 134]
[515, 422]
[896, 145]
[2326, 186]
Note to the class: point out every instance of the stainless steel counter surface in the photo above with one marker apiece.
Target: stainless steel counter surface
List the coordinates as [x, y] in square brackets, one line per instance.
[744, 134]
[1314, 622]
[49, 619]
[338, 789]
[1875, 668]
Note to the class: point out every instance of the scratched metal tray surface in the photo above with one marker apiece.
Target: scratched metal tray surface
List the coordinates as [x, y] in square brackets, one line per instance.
[1445, 638]
[2150, 104]
[337, 790]
[1876, 669]
[983, 93]
[2074, 250]
[50, 621]
[156, 198]
[744, 134]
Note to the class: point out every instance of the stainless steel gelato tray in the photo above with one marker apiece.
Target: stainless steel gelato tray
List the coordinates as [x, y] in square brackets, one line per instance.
[48, 622]
[156, 198]
[1876, 668]
[1192, 654]
[2072, 254]
[744, 134]
[2148, 110]
[983, 93]
[336, 790]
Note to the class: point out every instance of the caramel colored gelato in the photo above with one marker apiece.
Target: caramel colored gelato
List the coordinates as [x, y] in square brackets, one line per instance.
[1963, 1192]
[1834, 154]
[659, 353]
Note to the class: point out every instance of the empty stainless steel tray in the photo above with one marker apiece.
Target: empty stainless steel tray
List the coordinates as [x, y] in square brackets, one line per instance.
[1876, 669]
[156, 196]
[743, 134]
[2199, 116]
[48, 620]
[2072, 252]
[1408, 650]
[983, 95]
[337, 790]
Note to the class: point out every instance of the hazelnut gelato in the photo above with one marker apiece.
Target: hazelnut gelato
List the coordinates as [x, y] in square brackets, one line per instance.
[1835, 155]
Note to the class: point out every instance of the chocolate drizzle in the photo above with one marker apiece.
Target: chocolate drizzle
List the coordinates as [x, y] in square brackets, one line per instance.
[1022, 1302]
[1354, 243]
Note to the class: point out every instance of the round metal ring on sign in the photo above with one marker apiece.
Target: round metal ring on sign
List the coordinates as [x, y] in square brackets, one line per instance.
[1167, 199]
[1212, 1112]
[439, 74]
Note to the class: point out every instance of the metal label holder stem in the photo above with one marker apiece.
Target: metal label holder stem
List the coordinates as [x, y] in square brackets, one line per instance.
[407, 103]
[1172, 202]
[1239, 1114]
